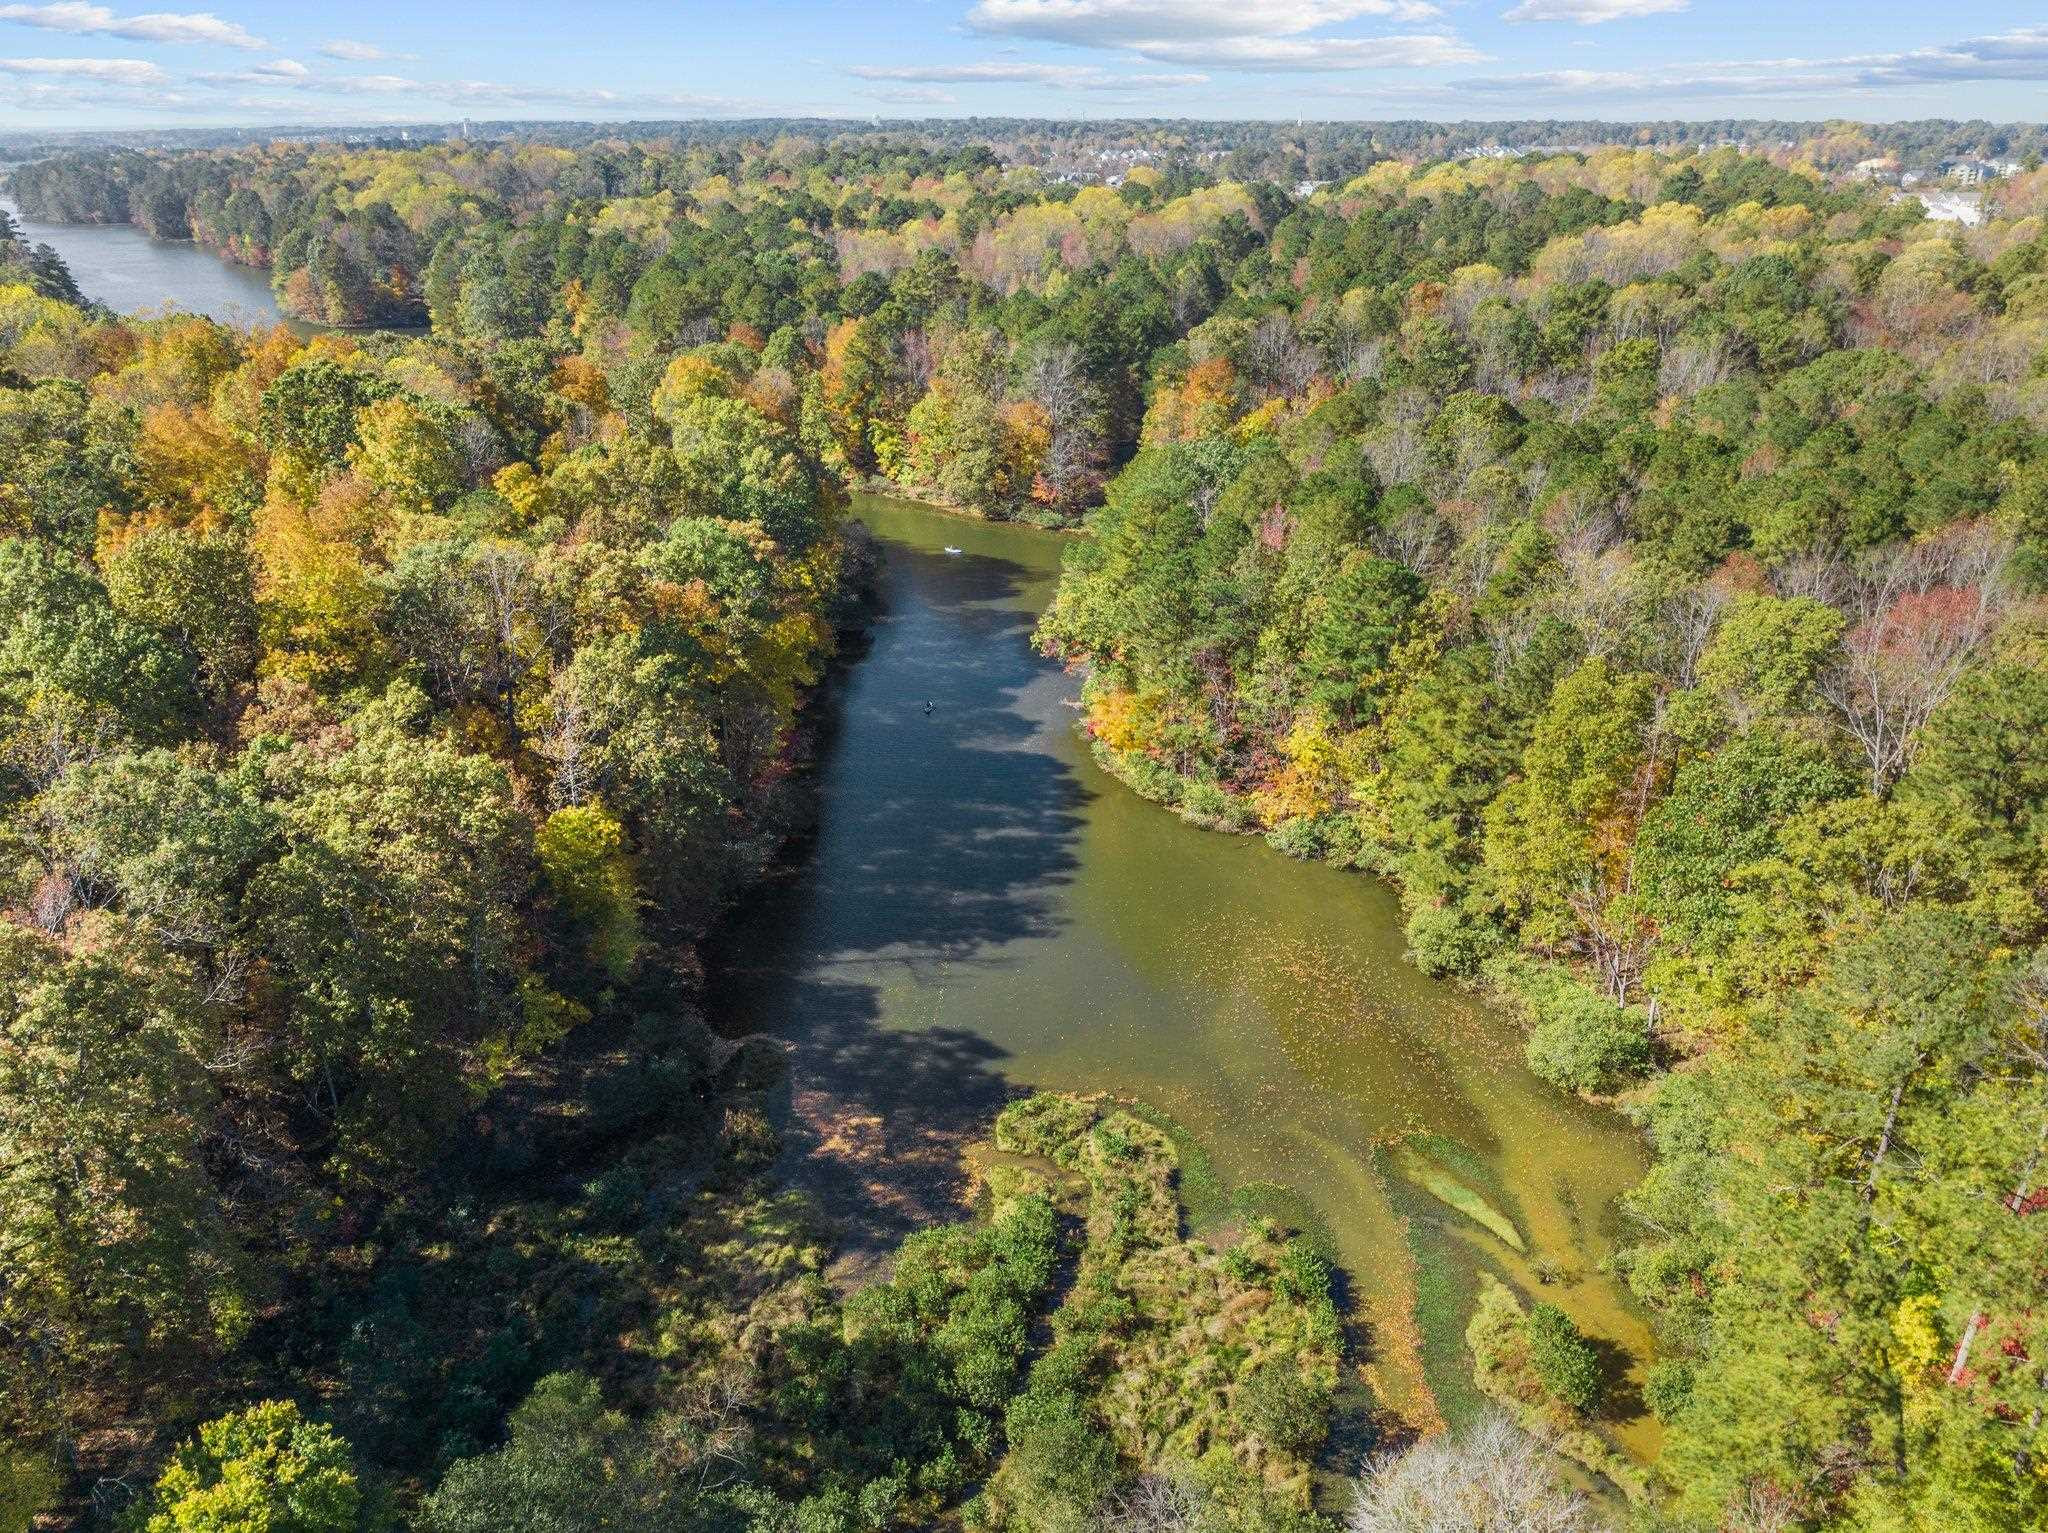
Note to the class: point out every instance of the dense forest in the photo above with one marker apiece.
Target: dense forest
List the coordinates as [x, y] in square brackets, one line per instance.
[1654, 598]
[383, 721]
[36, 267]
[1634, 557]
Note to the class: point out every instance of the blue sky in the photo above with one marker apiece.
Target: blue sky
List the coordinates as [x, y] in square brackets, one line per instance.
[70, 63]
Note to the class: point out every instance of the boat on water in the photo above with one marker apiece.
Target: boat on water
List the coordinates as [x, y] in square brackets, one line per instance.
[951, 549]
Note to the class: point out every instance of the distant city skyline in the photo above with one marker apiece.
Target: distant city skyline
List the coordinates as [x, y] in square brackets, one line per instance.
[72, 64]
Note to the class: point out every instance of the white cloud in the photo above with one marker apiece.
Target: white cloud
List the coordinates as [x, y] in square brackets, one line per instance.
[46, 96]
[363, 85]
[1249, 35]
[303, 83]
[492, 93]
[2021, 54]
[106, 71]
[1110, 23]
[1064, 76]
[913, 95]
[1588, 13]
[155, 27]
[1035, 74]
[290, 74]
[1315, 54]
[1145, 82]
[350, 51]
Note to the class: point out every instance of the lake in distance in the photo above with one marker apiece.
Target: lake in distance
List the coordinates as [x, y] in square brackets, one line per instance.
[120, 266]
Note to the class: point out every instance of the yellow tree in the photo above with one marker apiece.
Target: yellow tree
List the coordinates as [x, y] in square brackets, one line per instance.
[406, 457]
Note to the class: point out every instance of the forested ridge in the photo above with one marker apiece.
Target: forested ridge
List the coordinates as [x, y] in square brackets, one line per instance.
[1636, 558]
[1660, 611]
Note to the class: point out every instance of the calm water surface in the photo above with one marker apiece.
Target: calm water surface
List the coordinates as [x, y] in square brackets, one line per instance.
[985, 910]
[120, 266]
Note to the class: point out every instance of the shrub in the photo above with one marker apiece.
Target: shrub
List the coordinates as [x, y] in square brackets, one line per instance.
[1043, 1125]
[570, 1466]
[1585, 1043]
[1304, 837]
[985, 1339]
[1443, 940]
[1207, 804]
[583, 861]
[1241, 1265]
[1303, 1273]
[748, 1143]
[1114, 1142]
[1026, 1243]
[1284, 1408]
[1059, 1457]
[1563, 1359]
[28, 1483]
[1487, 1475]
[1667, 1388]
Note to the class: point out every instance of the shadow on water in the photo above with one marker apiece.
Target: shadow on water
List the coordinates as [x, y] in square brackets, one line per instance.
[946, 837]
[983, 909]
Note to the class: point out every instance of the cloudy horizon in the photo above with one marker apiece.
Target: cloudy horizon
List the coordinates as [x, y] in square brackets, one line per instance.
[73, 64]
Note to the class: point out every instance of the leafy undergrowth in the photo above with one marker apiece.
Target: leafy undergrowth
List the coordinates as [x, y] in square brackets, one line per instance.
[1166, 1355]
[1505, 1367]
[642, 1283]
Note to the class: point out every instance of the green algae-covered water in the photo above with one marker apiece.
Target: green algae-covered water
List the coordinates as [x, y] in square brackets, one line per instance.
[985, 911]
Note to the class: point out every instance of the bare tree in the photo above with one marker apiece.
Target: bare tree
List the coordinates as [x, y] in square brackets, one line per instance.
[1361, 357]
[1419, 539]
[1571, 393]
[1763, 1508]
[564, 742]
[1278, 358]
[1686, 623]
[1919, 613]
[1159, 1501]
[1493, 1476]
[1396, 447]
[1057, 380]
[1822, 577]
[481, 450]
[711, 1444]
[1597, 594]
[1687, 368]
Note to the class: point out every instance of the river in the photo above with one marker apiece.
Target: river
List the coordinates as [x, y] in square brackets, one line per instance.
[120, 266]
[985, 910]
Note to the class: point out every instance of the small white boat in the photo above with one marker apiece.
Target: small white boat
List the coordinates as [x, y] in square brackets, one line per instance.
[951, 549]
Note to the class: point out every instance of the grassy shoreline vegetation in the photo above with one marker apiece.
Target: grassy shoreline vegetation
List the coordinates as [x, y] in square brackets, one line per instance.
[1635, 556]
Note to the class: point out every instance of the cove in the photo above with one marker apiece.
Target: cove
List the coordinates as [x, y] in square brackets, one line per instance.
[120, 266]
[985, 911]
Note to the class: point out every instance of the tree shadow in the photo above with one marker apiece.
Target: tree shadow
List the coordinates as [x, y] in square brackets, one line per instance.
[875, 1120]
[944, 835]
[1620, 1400]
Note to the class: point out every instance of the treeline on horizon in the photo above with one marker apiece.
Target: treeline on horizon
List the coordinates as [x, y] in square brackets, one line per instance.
[1636, 557]
[1922, 143]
